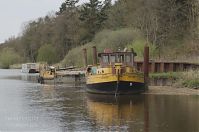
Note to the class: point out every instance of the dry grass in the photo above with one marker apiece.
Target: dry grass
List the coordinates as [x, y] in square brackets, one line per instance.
[191, 75]
[190, 79]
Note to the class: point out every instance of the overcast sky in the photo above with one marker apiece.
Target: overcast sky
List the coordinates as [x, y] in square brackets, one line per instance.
[14, 13]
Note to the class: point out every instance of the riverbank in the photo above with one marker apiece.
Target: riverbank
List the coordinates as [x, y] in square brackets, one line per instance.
[168, 90]
[188, 79]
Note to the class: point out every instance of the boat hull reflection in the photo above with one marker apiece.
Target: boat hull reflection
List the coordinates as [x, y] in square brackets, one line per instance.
[109, 111]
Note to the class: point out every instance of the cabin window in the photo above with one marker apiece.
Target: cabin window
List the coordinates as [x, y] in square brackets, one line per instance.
[112, 58]
[120, 58]
[105, 59]
[128, 58]
[132, 55]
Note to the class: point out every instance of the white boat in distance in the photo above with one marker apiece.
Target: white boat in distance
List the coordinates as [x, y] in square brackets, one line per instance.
[30, 68]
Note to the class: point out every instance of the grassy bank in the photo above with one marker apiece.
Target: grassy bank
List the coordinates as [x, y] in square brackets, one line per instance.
[174, 75]
[189, 79]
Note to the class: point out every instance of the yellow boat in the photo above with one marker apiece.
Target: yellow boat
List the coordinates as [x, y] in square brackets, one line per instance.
[115, 74]
[47, 73]
[53, 75]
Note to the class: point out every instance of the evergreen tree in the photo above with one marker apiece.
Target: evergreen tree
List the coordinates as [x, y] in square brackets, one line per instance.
[93, 14]
[68, 4]
[105, 10]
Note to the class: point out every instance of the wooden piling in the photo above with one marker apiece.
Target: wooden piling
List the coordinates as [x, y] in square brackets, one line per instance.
[146, 65]
[94, 55]
[85, 57]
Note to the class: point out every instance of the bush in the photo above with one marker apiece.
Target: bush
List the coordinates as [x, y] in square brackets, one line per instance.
[174, 75]
[191, 83]
[75, 56]
[47, 54]
[138, 46]
[8, 57]
[190, 79]
[104, 39]
[115, 39]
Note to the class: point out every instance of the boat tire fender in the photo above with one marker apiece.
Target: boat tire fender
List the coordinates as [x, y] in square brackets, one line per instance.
[41, 80]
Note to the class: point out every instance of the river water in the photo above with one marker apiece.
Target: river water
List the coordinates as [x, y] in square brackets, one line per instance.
[26, 105]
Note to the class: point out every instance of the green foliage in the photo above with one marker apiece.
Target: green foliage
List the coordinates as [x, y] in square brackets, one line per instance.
[168, 26]
[47, 54]
[115, 40]
[67, 4]
[93, 14]
[160, 21]
[75, 56]
[105, 39]
[138, 46]
[191, 83]
[8, 57]
[174, 75]
[190, 79]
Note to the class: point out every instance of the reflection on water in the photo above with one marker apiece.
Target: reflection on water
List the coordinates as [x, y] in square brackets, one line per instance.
[174, 113]
[29, 77]
[119, 113]
[148, 113]
[29, 106]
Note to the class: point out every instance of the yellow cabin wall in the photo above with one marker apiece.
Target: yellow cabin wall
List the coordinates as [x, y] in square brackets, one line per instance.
[105, 75]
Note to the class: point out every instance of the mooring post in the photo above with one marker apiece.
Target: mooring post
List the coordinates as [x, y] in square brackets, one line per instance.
[85, 57]
[146, 65]
[94, 55]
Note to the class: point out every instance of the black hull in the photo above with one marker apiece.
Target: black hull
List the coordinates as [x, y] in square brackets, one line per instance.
[111, 88]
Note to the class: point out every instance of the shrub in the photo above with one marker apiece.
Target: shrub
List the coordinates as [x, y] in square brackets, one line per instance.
[75, 56]
[8, 57]
[47, 54]
[115, 39]
[190, 79]
[138, 46]
[191, 83]
[104, 39]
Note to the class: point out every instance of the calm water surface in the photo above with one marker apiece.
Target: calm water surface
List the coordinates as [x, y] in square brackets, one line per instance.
[28, 106]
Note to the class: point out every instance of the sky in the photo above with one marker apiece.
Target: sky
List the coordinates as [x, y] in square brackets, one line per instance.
[15, 13]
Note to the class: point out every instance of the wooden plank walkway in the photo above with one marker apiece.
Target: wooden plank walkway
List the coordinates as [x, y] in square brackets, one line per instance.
[70, 73]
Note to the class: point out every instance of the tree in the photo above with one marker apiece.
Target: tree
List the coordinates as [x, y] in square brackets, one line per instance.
[67, 31]
[68, 4]
[8, 57]
[93, 14]
[105, 11]
[47, 54]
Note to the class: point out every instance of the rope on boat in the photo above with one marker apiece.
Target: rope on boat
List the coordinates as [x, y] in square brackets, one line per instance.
[118, 75]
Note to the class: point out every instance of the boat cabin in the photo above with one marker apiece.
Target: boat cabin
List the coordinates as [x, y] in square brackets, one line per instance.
[47, 72]
[125, 58]
[29, 68]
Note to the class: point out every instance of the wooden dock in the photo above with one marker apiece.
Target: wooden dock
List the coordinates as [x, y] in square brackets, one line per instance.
[70, 73]
[168, 66]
